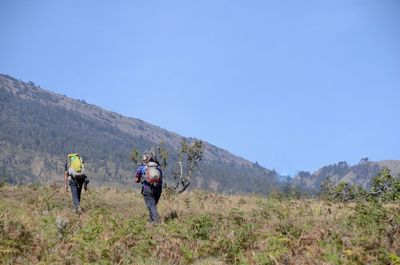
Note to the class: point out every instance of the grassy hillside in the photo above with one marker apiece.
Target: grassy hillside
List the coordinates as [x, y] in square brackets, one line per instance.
[38, 227]
[39, 128]
[359, 174]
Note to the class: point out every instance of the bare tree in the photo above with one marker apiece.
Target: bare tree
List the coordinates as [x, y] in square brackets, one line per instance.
[187, 161]
[191, 154]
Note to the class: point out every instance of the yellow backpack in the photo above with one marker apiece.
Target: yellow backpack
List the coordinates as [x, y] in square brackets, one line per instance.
[75, 161]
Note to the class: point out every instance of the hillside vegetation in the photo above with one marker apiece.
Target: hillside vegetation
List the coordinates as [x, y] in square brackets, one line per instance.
[39, 128]
[37, 226]
[359, 174]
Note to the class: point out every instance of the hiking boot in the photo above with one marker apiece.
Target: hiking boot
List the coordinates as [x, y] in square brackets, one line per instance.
[78, 210]
[152, 224]
[85, 184]
[155, 222]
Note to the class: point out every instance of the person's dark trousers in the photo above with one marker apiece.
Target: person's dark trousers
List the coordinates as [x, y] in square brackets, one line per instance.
[151, 196]
[76, 190]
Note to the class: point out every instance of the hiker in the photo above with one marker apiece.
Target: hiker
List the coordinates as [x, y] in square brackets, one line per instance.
[149, 174]
[74, 176]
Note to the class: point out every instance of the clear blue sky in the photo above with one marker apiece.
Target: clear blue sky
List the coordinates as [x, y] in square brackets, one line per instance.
[294, 85]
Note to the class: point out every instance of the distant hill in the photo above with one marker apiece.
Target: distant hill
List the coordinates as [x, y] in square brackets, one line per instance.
[360, 174]
[39, 127]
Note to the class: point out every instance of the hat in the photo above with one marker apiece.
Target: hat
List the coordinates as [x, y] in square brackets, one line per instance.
[146, 158]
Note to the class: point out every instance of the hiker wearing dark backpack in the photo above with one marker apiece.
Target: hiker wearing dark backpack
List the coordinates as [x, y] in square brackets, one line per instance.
[149, 174]
[75, 177]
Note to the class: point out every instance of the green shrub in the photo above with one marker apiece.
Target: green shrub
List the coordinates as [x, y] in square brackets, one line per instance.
[370, 217]
[201, 227]
[385, 187]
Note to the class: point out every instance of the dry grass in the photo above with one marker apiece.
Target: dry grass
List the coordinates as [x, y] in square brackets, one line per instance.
[198, 228]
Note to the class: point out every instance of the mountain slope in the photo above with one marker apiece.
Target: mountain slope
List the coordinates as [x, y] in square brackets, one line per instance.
[360, 174]
[39, 127]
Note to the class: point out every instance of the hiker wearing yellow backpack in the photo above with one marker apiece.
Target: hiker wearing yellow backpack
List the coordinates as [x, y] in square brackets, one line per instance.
[149, 174]
[75, 177]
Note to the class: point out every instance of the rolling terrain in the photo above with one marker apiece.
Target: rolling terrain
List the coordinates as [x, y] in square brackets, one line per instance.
[39, 128]
[359, 174]
[37, 226]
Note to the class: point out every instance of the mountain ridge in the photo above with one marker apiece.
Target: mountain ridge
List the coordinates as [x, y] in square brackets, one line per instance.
[36, 116]
[359, 174]
[43, 126]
